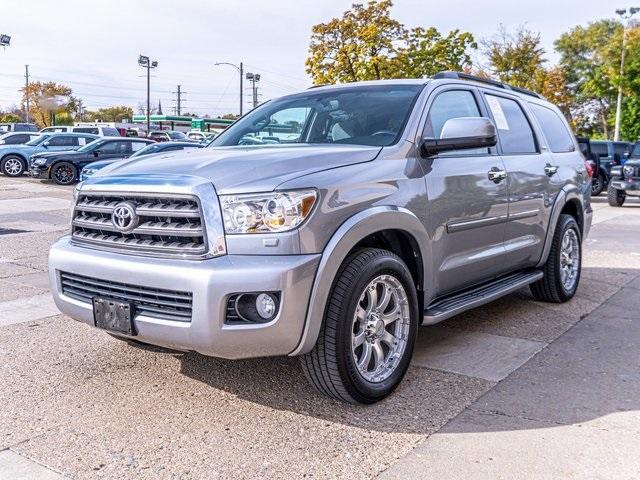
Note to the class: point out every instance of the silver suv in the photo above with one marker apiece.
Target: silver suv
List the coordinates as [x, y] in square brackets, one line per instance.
[330, 224]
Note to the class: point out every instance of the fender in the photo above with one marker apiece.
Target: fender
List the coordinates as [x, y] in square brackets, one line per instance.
[343, 240]
[567, 194]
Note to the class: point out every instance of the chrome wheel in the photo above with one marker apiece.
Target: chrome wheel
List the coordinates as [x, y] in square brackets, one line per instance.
[569, 259]
[13, 167]
[380, 328]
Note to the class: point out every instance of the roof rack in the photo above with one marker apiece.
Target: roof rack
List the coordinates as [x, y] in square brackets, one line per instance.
[488, 81]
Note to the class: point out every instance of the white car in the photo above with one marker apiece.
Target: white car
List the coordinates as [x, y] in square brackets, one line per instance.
[94, 130]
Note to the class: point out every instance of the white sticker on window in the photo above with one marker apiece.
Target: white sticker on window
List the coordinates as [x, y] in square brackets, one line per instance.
[81, 141]
[498, 113]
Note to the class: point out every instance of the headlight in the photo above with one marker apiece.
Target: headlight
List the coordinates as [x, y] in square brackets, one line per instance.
[628, 171]
[39, 161]
[266, 212]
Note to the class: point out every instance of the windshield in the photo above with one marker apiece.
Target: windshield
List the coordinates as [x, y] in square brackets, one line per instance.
[90, 146]
[37, 140]
[153, 148]
[363, 115]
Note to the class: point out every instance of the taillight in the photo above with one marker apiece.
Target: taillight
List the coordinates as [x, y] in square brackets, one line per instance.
[590, 165]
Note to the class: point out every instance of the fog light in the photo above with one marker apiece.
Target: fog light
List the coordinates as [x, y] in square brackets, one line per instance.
[258, 307]
[265, 305]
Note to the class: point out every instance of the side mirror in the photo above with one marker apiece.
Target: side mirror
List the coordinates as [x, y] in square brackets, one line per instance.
[461, 134]
[45, 144]
[96, 153]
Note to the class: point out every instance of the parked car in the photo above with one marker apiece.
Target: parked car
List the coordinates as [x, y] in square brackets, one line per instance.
[17, 127]
[202, 137]
[610, 154]
[167, 136]
[625, 179]
[64, 167]
[101, 131]
[93, 167]
[598, 177]
[14, 159]
[400, 202]
[17, 138]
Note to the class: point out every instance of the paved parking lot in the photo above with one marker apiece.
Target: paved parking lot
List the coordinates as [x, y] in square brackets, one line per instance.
[515, 389]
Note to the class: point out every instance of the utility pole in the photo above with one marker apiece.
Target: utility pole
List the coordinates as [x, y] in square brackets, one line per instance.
[254, 78]
[80, 109]
[179, 100]
[240, 70]
[626, 17]
[26, 91]
[147, 63]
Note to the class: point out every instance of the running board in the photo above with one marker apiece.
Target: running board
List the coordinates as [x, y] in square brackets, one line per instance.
[451, 306]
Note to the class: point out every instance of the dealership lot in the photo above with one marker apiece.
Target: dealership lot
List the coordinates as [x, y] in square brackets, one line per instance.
[77, 403]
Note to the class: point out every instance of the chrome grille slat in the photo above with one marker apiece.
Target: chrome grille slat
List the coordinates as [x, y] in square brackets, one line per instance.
[168, 225]
[152, 302]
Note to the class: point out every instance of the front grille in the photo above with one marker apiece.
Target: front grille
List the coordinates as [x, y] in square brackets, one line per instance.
[150, 302]
[164, 224]
[631, 170]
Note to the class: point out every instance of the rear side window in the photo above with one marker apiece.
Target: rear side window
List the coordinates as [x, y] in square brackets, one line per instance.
[91, 130]
[135, 146]
[553, 128]
[621, 148]
[514, 130]
[110, 132]
[600, 149]
[63, 141]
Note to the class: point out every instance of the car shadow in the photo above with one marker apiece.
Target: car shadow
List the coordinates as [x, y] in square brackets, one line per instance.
[426, 399]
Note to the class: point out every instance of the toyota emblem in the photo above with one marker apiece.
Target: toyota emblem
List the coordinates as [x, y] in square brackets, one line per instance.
[124, 217]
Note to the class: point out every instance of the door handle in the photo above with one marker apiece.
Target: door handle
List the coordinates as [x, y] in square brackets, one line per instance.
[550, 170]
[496, 175]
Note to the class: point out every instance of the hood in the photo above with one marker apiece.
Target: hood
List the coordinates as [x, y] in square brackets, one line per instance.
[57, 153]
[633, 161]
[244, 169]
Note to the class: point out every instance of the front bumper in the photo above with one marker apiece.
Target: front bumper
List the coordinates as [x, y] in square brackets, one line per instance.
[630, 185]
[211, 282]
[39, 171]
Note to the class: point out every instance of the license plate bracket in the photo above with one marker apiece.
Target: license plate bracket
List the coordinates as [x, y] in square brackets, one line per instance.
[113, 315]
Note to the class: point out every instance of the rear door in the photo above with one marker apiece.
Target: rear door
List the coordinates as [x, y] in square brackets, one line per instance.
[467, 210]
[530, 193]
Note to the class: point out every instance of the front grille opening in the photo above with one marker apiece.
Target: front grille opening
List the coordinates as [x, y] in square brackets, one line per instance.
[171, 225]
[151, 302]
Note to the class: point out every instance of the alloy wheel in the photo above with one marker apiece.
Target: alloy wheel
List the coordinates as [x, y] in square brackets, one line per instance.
[569, 259]
[13, 167]
[380, 328]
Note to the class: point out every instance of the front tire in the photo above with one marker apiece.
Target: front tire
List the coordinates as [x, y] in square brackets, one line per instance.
[13, 166]
[616, 197]
[369, 329]
[564, 264]
[64, 173]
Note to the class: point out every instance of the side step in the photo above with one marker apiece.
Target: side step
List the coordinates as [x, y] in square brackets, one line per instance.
[451, 306]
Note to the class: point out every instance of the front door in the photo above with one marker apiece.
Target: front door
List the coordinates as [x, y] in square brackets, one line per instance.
[468, 205]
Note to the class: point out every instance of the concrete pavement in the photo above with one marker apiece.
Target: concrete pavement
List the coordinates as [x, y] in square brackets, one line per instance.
[79, 403]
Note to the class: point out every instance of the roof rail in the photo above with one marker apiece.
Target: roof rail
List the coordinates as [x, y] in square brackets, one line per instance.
[488, 81]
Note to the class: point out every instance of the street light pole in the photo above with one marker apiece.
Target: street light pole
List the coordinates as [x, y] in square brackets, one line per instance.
[626, 16]
[146, 62]
[240, 70]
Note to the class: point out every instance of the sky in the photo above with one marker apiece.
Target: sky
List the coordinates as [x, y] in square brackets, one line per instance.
[93, 46]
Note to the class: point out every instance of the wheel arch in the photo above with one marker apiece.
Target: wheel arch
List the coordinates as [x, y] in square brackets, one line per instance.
[14, 154]
[394, 228]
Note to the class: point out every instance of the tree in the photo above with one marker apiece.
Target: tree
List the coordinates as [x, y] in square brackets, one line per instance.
[111, 114]
[10, 118]
[47, 99]
[366, 43]
[590, 57]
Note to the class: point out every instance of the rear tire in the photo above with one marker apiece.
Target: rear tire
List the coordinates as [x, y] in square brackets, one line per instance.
[616, 197]
[597, 185]
[13, 166]
[64, 173]
[365, 345]
[564, 264]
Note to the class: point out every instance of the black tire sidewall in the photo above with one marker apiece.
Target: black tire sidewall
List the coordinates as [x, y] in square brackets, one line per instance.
[359, 388]
[62, 164]
[601, 181]
[14, 157]
[568, 222]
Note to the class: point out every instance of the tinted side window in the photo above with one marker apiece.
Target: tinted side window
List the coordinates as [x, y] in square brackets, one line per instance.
[62, 141]
[600, 149]
[448, 105]
[135, 146]
[18, 139]
[110, 132]
[514, 131]
[621, 148]
[554, 129]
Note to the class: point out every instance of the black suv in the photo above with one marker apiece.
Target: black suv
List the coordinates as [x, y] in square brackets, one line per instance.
[625, 179]
[609, 154]
[64, 167]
